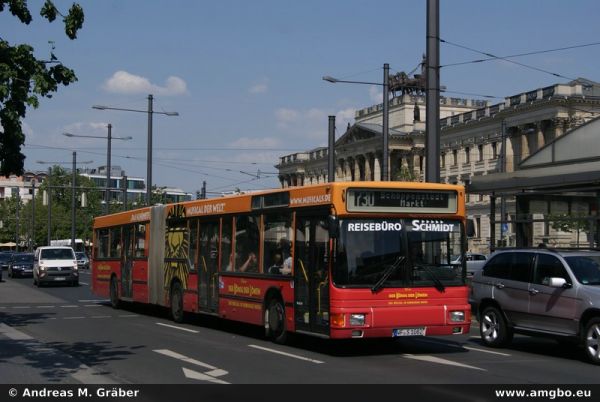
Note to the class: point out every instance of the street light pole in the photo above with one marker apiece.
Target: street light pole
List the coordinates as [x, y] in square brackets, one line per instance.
[108, 160]
[32, 233]
[386, 115]
[149, 153]
[73, 199]
[386, 119]
[150, 112]
[108, 169]
[49, 205]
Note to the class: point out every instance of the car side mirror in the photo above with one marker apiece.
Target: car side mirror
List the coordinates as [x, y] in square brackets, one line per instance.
[558, 283]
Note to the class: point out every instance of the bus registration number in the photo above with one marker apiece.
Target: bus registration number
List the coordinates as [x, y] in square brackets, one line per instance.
[409, 332]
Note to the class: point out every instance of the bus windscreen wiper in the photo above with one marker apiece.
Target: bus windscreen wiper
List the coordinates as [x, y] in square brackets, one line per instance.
[386, 274]
[438, 284]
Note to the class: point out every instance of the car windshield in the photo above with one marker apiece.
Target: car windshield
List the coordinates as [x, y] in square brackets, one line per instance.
[80, 255]
[57, 254]
[4, 257]
[586, 268]
[23, 258]
[406, 253]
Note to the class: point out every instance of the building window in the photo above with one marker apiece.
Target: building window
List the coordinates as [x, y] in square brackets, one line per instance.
[455, 157]
[443, 160]
[494, 150]
[467, 155]
[480, 152]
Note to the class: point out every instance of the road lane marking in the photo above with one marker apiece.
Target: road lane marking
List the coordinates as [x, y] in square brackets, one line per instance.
[45, 306]
[12, 333]
[93, 301]
[84, 283]
[128, 315]
[21, 307]
[486, 351]
[176, 327]
[100, 316]
[70, 306]
[279, 352]
[93, 305]
[438, 360]
[73, 318]
[206, 376]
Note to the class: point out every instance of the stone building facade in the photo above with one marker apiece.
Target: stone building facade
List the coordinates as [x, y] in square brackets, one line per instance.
[477, 138]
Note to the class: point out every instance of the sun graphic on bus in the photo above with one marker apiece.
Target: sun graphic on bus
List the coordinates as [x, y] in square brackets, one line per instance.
[176, 264]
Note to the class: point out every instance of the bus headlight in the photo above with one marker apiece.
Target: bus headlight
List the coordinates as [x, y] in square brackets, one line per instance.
[457, 316]
[357, 320]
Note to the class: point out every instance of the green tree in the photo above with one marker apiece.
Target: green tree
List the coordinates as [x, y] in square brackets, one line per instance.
[23, 78]
[405, 174]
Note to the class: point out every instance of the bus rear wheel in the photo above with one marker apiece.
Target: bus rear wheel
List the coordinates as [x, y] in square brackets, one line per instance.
[114, 292]
[275, 321]
[177, 302]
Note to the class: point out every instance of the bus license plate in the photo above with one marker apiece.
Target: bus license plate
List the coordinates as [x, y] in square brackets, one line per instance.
[409, 332]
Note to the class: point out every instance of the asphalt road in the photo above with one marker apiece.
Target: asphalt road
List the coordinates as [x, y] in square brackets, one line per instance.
[65, 335]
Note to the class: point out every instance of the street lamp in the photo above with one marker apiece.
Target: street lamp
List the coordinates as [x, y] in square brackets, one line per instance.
[74, 177]
[386, 114]
[150, 112]
[108, 154]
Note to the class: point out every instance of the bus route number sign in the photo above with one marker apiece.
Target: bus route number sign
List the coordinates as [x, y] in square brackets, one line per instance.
[401, 201]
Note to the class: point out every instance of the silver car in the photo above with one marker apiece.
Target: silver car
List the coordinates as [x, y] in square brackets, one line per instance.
[540, 292]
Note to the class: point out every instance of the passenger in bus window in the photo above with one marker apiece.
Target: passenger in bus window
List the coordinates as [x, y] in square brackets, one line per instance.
[285, 247]
[249, 264]
[276, 266]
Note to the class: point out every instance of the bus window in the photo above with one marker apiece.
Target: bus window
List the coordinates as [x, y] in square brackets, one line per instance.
[102, 243]
[277, 241]
[226, 228]
[193, 245]
[140, 240]
[247, 243]
[115, 243]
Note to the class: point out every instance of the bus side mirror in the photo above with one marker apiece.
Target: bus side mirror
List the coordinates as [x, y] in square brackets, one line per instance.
[333, 226]
[470, 228]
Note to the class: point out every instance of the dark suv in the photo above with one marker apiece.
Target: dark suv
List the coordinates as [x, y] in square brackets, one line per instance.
[540, 292]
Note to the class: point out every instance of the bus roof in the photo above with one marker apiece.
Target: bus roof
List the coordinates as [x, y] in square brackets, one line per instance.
[300, 196]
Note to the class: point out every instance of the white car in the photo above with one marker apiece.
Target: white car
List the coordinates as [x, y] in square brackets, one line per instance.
[55, 265]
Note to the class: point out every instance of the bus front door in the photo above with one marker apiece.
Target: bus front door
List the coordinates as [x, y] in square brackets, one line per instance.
[208, 263]
[311, 289]
[127, 262]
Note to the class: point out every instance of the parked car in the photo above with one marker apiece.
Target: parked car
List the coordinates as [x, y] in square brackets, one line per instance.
[540, 292]
[52, 264]
[83, 262]
[20, 265]
[475, 262]
[4, 258]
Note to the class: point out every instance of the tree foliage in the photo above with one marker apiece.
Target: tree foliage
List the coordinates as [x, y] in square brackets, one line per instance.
[24, 78]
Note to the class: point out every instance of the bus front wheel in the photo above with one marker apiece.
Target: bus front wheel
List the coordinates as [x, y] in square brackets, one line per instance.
[177, 302]
[275, 321]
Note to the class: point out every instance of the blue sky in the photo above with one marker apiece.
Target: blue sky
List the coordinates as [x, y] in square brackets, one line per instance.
[245, 76]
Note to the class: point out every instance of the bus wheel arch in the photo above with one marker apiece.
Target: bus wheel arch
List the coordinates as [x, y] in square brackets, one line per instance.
[274, 317]
[114, 291]
[176, 300]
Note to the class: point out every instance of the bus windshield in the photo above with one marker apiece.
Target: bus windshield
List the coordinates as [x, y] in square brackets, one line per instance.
[380, 253]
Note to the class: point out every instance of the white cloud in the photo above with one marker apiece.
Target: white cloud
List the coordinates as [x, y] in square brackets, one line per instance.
[123, 82]
[286, 116]
[94, 128]
[375, 94]
[260, 88]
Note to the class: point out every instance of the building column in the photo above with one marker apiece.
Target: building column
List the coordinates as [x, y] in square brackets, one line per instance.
[377, 167]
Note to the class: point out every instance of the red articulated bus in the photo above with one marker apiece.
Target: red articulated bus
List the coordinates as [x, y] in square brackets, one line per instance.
[336, 260]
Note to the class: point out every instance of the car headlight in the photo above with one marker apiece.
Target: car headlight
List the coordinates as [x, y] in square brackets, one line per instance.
[457, 316]
[357, 320]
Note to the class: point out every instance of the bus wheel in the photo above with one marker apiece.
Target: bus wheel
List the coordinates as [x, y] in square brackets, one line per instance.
[275, 321]
[114, 292]
[177, 302]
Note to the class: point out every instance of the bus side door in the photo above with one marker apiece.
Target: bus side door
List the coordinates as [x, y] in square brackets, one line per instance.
[208, 264]
[311, 288]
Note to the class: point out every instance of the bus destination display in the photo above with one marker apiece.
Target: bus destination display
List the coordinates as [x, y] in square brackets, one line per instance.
[401, 201]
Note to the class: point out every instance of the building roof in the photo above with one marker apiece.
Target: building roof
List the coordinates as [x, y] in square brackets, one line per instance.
[569, 162]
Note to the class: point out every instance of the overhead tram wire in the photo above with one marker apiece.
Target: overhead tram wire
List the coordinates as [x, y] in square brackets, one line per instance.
[519, 54]
[492, 56]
